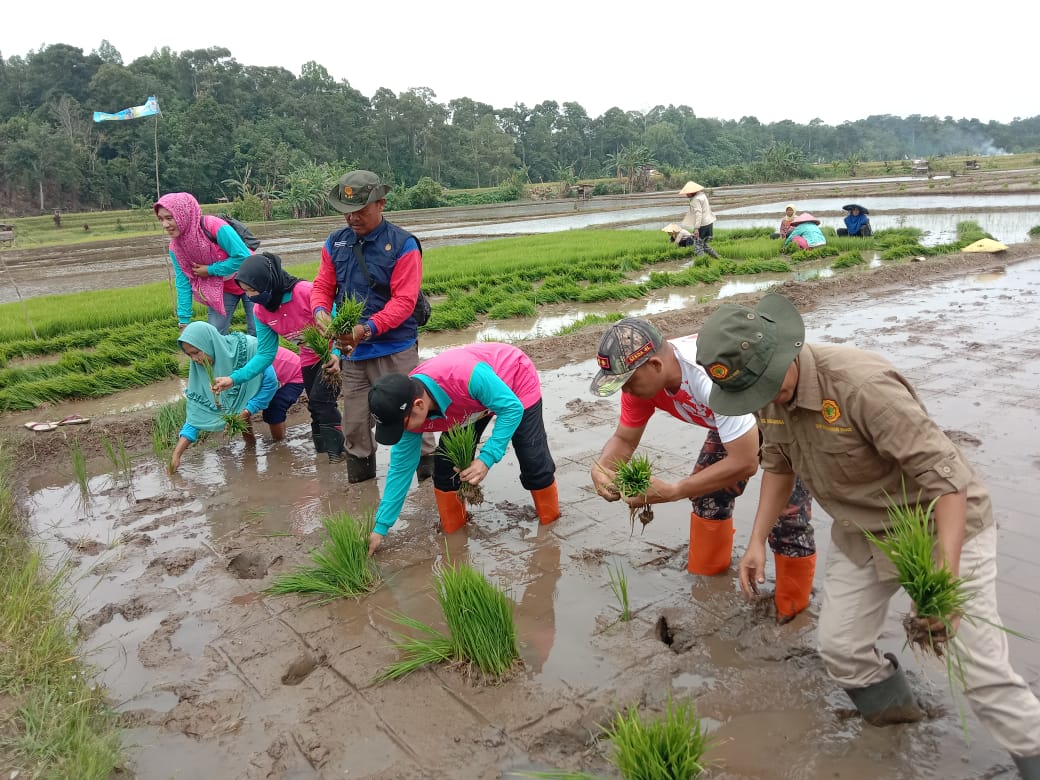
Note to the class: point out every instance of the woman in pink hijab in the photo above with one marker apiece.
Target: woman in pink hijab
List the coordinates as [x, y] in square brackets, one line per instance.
[204, 268]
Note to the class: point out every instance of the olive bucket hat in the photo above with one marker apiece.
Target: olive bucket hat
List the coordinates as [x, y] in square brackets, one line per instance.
[355, 190]
[747, 352]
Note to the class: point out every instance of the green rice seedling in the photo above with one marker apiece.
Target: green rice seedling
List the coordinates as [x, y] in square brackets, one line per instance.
[122, 468]
[318, 341]
[671, 747]
[631, 479]
[481, 629]
[348, 314]
[938, 595]
[342, 566]
[459, 444]
[79, 468]
[619, 584]
[235, 425]
[166, 424]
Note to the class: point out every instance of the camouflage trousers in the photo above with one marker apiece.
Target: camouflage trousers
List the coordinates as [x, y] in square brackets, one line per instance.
[793, 533]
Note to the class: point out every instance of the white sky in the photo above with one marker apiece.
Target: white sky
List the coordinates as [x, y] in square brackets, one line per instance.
[724, 58]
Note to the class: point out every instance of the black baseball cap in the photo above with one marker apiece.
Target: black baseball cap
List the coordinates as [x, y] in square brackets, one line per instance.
[390, 400]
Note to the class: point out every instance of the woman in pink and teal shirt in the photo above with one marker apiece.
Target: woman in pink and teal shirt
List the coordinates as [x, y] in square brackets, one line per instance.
[282, 308]
[465, 385]
[204, 268]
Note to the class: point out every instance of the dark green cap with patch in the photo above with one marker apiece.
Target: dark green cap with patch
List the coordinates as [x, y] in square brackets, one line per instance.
[355, 190]
[747, 352]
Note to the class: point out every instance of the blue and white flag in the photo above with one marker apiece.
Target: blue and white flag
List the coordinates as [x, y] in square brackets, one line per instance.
[150, 108]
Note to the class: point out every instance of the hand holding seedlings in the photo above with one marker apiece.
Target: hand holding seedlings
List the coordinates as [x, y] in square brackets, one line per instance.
[632, 481]
[222, 383]
[603, 481]
[474, 474]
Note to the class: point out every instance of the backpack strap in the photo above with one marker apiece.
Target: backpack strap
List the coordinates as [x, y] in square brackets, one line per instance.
[206, 231]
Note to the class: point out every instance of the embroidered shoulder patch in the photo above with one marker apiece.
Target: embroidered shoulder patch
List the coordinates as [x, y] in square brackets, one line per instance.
[830, 410]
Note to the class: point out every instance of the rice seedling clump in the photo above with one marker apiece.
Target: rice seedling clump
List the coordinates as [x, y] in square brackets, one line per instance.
[459, 445]
[318, 342]
[671, 747]
[481, 629]
[938, 595]
[632, 479]
[342, 566]
[348, 314]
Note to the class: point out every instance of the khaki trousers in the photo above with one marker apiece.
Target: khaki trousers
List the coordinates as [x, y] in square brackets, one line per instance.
[358, 378]
[855, 604]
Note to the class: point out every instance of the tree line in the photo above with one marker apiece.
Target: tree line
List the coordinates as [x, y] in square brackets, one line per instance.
[229, 130]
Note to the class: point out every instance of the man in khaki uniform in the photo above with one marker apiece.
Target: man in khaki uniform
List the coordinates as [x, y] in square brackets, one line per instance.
[847, 423]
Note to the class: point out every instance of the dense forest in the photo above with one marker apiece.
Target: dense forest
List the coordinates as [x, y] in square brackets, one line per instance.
[229, 131]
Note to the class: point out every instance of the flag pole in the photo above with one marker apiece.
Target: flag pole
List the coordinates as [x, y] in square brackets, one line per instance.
[156, 139]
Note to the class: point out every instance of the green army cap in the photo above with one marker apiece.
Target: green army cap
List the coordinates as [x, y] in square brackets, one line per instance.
[355, 190]
[747, 352]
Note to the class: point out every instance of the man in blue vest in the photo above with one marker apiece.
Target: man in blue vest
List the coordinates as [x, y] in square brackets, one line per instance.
[377, 262]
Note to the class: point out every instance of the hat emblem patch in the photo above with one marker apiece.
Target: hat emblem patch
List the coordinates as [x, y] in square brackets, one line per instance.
[830, 410]
[348, 192]
[718, 371]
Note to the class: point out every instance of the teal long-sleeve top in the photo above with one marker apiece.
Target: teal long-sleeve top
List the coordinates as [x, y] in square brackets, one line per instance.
[237, 252]
[259, 402]
[485, 387]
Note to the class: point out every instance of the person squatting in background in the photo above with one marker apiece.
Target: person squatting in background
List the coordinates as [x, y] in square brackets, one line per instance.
[656, 374]
[463, 386]
[202, 268]
[282, 307]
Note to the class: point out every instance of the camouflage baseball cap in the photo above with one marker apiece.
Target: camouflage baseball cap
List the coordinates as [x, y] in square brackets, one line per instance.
[747, 352]
[626, 345]
[355, 190]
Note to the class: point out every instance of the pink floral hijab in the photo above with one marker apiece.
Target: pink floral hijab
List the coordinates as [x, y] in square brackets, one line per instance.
[192, 246]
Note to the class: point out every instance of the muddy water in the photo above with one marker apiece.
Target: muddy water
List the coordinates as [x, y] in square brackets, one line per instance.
[216, 679]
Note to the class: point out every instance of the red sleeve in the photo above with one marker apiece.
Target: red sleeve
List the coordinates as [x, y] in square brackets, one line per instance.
[636, 412]
[324, 290]
[405, 281]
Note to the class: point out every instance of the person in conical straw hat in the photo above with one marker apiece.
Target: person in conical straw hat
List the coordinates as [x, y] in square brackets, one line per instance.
[846, 422]
[678, 235]
[699, 219]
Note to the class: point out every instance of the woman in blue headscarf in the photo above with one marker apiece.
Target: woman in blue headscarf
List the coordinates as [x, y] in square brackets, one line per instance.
[205, 345]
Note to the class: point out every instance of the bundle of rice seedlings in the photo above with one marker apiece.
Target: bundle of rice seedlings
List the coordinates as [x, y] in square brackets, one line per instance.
[342, 566]
[79, 468]
[459, 444]
[481, 630]
[319, 342]
[671, 747]
[234, 425]
[938, 595]
[208, 366]
[348, 314]
[631, 479]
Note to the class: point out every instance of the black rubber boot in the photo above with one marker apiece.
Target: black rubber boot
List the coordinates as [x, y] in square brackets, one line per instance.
[1028, 767]
[425, 468]
[333, 439]
[317, 438]
[361, 469]
[889, 701]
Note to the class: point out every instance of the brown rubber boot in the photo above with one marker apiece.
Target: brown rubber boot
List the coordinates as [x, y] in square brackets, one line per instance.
[711, 545]
[451, 510]
[425, 468]
[547, 504]
[794, 578]
[359, 469]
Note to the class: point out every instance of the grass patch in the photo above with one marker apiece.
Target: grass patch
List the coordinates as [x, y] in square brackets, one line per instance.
[481, 630]
[61, 725]
[342, 566]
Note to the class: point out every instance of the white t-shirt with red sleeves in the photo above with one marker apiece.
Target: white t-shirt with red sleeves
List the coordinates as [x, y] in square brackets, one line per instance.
[690, 402]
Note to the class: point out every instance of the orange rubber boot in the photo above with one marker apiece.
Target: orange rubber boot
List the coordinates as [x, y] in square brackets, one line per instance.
[547, 504]
[711, 545]
[794, 577]
[451, 510]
